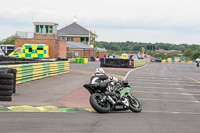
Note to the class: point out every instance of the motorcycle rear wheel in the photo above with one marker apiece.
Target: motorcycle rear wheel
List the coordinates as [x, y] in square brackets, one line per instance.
[100, 107]
[135, 105]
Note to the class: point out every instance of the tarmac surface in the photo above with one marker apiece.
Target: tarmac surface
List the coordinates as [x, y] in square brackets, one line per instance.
[169, 94]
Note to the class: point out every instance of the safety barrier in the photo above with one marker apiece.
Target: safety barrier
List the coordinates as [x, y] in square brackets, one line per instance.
[117, 63]
[7, 83]
[29, 72]
[122, 63]
[140, 62]
[78, 60]
[181, 62]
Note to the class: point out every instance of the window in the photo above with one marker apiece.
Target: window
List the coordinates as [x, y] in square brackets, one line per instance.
[84, 39]
[39, 48]
[30, 50]
[37, 28]
[70, 39]
[46, 29]
[50, 29]
[41, 28]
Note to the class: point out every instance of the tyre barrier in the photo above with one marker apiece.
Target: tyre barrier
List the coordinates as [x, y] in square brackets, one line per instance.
[29, 72]
[7, 83]
[122, 63]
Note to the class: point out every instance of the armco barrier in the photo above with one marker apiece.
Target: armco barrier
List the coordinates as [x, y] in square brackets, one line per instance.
[29, 72]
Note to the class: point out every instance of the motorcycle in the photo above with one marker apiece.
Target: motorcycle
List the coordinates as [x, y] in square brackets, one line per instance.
[112, 97]
[197, 63]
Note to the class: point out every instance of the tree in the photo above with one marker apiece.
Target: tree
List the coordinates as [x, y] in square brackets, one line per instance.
[188, 53]
[115, 48]
[95, 46]
[182, 48]
[10, 40]
[196, 55]
[99, 46]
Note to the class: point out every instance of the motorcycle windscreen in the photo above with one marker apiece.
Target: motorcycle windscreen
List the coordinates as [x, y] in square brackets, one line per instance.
[125, 90]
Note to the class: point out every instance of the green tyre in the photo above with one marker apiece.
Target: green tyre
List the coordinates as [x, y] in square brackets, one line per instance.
[100, 107]
[135, 105]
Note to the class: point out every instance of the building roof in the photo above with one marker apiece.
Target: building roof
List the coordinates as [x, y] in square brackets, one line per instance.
[46, 23]
[77, 45]
[73, 29]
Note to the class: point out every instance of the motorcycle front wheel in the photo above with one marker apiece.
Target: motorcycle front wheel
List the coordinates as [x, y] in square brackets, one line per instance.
[135, 105]
[100, 107]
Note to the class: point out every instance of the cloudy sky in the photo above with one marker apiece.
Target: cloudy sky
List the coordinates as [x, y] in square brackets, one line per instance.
[169, 21]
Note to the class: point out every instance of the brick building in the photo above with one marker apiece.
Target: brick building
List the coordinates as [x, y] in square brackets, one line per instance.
[44, 33]
[80, 41]
[82, 50]
[76, 33]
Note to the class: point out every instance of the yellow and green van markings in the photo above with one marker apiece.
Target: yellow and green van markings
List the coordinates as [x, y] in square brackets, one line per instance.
[26, 108]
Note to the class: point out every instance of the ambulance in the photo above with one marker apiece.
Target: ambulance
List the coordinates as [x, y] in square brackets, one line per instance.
[31, 51]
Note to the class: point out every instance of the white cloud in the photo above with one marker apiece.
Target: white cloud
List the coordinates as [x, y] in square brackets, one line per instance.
[172, 16]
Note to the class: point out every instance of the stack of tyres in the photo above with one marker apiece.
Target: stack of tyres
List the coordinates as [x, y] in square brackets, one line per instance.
[7, 83]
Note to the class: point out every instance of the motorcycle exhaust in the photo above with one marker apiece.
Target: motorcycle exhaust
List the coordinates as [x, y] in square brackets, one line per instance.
[111, 100]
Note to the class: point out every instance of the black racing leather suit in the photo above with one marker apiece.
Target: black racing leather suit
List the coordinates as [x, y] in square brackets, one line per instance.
[97, 80]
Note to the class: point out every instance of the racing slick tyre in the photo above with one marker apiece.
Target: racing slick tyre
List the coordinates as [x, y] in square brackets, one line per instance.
[135, 105]
[5, 70]
[7, 76]
[5, 98]
[6, 92]
[7, 81]
[100, 107]
[6, 87]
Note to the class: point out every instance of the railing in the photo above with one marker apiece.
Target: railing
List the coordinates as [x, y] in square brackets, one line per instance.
[21, 34]
[29, 72]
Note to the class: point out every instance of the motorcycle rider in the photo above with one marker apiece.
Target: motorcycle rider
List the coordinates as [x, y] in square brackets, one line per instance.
[197, 61]
[98, 78]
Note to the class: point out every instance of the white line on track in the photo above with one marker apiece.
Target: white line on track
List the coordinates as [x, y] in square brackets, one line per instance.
[167, 93]
[159, 78]
[168, 112]
[166, 81]
[193, 91]
[133, 70]
[162, 83]
[156, 87]
[166, 100]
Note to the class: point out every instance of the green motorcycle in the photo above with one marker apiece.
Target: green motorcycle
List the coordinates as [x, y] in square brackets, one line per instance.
[113, 97]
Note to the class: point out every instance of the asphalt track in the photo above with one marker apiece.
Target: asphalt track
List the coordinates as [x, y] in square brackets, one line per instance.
[169, 93]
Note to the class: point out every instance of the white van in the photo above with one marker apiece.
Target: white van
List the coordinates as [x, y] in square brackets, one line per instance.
[1, 53]
[7, 49]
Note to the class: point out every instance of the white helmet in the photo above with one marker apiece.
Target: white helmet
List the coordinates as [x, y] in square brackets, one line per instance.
[99, 70]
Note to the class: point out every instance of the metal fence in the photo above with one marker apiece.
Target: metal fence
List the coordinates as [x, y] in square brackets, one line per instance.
[21, 34]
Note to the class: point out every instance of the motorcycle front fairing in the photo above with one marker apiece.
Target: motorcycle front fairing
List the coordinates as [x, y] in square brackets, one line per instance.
[124, 91]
